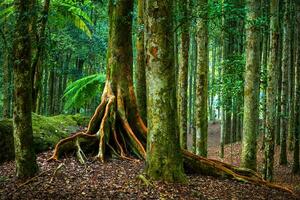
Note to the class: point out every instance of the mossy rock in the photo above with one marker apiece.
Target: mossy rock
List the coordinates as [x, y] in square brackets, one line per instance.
[47, 131]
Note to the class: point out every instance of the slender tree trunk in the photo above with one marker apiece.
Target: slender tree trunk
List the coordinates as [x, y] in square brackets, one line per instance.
[272, 78]
[45, 91]
[25, 158]
[251, 92]
[50, 91]
[291, 119]
[280, 52]
[202, 83]
[183, 75]
[296, 163]
[140, 73]
[164, 160]
[212, 83]
[193, 89]
[285, 72]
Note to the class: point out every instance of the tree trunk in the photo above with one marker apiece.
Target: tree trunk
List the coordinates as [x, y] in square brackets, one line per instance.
[164, 159]
[140, 73]
[285, 72]
[296, 163]
[251, 92]
[202, 83]
[25, 158]
[183, 74]
[291, 118]
[272, 82]
[212, 83]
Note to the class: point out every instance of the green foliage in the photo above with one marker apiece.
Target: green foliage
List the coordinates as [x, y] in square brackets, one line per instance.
[72, 11]
[82, 91]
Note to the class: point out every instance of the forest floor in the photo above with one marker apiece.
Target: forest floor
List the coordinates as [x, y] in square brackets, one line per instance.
[118, 179]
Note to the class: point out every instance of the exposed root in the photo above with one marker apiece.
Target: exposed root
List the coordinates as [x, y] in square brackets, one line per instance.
[110, 127]
[217, 168]
[70, 143]
[101, 151]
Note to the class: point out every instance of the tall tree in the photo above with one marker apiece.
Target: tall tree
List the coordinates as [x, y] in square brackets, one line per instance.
[291, 117]
[201, 117]
[183, 73]
[140, 72]
[23, 140]
[285, 77]
[251, 92]
[296, 163]
[164, 159]
[272, 82]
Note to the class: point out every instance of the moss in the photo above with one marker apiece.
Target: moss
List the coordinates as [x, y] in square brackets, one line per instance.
[47, 131]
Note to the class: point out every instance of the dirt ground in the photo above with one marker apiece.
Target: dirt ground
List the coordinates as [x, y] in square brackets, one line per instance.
[119, 179]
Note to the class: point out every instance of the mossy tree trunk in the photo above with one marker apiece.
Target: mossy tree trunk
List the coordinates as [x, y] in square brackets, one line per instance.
[164, 159]
[140, 73]
[251, 92]
[183, 74]
[272, 82]
[296, 163]
[201, 115]
[285, 83]
[116, 124]
[26, 165]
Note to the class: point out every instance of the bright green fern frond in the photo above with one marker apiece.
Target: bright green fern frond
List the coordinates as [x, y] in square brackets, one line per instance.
[82, 91]
[72, 10]
[6, 12]
[82, 26]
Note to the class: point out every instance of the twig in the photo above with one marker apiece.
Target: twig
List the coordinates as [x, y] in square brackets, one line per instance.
[32, 179]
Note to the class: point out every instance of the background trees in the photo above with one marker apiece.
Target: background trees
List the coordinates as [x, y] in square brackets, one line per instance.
[213, 68]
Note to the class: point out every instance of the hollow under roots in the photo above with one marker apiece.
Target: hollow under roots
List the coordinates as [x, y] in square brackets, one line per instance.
[110, 130]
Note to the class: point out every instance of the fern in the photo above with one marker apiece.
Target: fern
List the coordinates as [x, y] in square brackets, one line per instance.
[72, 11]
[6, 12]
[82, 91]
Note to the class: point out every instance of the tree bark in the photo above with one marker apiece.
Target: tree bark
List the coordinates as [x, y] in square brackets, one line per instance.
[25, 158]
[296, 163]
[140, 73]
[251, 92]
[291, 118]
[285, 72]
[202, 83]
[164, 159]
[183, 74]
[272, 85]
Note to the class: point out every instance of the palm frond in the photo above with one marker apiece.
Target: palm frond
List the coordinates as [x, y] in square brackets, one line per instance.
[82, 91]
[74, 13]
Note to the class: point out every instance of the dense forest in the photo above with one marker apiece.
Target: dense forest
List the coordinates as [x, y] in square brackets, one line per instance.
[150, 99]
